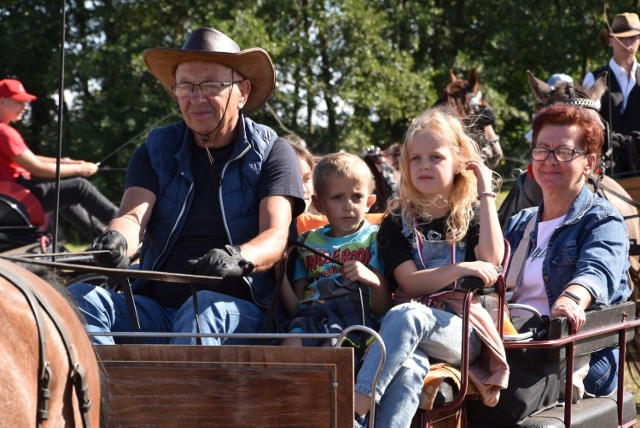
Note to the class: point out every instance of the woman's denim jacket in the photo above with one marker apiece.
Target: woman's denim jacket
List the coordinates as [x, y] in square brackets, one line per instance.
[590, 248]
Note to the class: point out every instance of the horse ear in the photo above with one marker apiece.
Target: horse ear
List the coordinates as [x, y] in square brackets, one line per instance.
[539, 88]
[452, 76]
[473, 80]
[598, 88]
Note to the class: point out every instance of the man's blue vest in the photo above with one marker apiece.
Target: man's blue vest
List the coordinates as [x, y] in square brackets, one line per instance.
[169, 149]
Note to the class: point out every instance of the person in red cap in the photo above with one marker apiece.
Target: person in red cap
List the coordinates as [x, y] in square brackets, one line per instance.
[621, 102]
[81, 203]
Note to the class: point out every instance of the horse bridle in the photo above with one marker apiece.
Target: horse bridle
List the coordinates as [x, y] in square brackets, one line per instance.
[45, 375]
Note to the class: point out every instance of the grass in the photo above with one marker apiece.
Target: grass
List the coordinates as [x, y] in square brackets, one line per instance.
[76, 247]
[632, 378]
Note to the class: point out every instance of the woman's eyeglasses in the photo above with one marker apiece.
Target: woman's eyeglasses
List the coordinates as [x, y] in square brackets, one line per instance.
[562, 155]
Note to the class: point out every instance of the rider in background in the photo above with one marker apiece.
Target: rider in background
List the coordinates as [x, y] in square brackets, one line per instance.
[81, 203]
[621, 102]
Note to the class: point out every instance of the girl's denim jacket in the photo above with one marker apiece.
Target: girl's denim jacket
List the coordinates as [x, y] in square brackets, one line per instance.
[590, 248]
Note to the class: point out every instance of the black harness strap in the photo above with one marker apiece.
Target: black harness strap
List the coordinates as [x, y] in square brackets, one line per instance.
[271, 315]
[125, 285]
[77, 373]
[44, 370]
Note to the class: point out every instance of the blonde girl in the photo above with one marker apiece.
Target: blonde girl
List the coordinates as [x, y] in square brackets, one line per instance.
[443, 227]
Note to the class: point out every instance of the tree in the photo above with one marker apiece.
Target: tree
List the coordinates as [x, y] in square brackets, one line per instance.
[351, 73]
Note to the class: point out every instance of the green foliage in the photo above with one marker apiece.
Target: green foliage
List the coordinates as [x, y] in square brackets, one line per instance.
[351, 73]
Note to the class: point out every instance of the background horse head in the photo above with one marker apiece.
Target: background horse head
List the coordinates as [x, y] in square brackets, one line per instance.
[465, 98]
[526, 192]
[50, 375]
[567, 93]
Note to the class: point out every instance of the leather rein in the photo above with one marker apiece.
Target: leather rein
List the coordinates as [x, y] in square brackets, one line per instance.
[45, 375]
[122, 277]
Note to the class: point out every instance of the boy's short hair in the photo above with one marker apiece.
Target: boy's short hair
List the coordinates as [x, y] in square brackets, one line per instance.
[341, 164]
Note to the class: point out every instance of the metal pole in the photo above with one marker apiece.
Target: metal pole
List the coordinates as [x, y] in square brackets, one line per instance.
[59, 148]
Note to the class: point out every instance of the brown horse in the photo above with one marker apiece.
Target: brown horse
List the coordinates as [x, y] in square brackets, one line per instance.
[527, 193]
[465, 98]
[50, 375]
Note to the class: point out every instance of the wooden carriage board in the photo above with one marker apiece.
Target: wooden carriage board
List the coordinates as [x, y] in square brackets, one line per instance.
[228, 386]
[632, 186]
[559, 327]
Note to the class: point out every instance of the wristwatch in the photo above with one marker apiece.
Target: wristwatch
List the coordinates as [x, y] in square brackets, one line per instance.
[246, 265]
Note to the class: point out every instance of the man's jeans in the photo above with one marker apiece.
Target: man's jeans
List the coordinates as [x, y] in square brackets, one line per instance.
[105, 310]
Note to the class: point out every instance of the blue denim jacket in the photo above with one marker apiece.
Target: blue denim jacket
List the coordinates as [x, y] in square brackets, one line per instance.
[590, 248]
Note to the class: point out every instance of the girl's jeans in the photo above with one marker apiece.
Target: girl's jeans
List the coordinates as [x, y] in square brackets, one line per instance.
[413, 335]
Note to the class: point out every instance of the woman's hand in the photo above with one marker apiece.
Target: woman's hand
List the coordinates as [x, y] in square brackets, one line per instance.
[85, 169]
[566, 307]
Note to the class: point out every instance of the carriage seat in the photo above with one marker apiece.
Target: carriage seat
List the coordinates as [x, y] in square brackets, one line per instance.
[587, 413]
[590, 412]
[19, 208]
[441, 387]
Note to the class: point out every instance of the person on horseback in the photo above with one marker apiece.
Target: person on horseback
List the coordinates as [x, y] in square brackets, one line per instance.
[621, 101]
[81, 203]
[213, 194]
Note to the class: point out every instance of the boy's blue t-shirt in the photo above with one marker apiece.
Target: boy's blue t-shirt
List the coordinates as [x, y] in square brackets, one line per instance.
[360, 246]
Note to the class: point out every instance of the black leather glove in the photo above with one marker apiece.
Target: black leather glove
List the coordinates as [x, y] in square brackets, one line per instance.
[222, 262]
[116, 244]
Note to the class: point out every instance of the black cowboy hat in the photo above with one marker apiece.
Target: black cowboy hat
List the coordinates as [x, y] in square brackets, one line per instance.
[209, 44]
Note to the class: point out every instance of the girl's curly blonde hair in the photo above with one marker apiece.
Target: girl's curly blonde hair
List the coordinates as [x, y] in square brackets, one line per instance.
[463, 196]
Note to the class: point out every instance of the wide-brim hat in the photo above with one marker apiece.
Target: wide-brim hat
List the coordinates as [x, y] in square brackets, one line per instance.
[623, 25]
[209, 44]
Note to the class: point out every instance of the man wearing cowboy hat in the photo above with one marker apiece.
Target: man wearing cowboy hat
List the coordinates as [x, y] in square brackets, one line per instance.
[621, 102]
[213, 194]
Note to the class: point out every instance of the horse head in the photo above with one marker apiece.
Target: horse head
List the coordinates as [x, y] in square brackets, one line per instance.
[567, 93]
[464, 96]
[465, 99]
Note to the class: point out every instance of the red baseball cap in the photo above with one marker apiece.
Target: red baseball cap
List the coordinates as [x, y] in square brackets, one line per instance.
[11, 88]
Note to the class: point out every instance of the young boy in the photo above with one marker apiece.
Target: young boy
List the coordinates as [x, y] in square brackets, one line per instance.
[338, 275]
